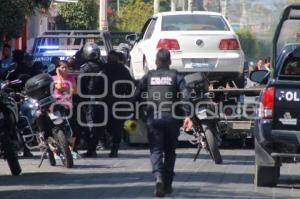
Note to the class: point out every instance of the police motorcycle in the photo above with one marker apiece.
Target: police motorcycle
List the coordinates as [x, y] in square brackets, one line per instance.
[10, 142]
[48, 127]
[205, 118]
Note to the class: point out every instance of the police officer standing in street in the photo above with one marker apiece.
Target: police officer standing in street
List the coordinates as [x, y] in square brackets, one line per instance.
[92, 84]
[162, 87]
[115, 72]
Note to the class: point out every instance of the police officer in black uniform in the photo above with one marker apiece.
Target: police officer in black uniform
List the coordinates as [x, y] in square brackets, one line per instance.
[162, 87]
[115, 72]
[93, 85]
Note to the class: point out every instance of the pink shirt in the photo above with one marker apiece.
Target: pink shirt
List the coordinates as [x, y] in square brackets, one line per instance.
[67, 85]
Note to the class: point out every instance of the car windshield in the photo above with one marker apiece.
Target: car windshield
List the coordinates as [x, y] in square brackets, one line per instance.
[194, 22]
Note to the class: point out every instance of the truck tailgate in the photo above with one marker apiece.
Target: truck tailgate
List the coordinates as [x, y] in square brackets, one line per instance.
[287, 106]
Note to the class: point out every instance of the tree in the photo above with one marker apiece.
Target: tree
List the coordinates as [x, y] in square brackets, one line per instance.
[248, 42]
[133, 15]
[78, 16]
[13, 14]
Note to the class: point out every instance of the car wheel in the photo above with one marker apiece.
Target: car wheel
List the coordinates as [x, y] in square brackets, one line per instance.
[266, 176]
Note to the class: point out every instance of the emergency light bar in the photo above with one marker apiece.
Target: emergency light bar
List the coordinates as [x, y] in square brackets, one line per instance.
[49, 47]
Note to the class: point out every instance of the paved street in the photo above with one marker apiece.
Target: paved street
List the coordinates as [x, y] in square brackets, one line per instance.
[129, 177]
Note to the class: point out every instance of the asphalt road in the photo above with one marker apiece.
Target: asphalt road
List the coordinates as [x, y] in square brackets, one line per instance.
[129, 177]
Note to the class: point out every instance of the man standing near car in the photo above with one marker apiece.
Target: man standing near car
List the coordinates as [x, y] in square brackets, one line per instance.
[92, 85]
[163, 127]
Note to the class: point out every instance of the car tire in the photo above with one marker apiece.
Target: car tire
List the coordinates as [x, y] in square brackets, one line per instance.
[266, 176]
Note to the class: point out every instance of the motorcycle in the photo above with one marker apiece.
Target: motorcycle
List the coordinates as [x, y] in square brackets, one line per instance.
[205, 120]
[51, 129]
[10, 142]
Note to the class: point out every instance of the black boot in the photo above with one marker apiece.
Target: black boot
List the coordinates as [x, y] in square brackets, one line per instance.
[168, 185]
[168, 188]
[90, 154]
[159, 187]
[114, 151]
[27, 153]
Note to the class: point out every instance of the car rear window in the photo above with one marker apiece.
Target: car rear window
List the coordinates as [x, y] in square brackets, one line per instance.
[194, 23]
[290, 69]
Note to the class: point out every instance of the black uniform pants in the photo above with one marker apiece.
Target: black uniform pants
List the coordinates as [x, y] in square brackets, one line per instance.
[162, 135]
[115, 128]
[94, 116]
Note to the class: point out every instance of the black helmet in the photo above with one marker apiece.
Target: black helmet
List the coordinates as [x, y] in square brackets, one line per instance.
[91, 52]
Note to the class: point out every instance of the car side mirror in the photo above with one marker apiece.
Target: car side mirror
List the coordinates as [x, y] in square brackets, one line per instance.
[132, 38]
[260, 76]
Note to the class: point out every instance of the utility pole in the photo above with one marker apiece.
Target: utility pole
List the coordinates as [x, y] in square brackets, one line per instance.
[103, 24]
[183, 5]
[173, 5]
[118, 6]
[224, 7]
[156, 6]
[190, 5]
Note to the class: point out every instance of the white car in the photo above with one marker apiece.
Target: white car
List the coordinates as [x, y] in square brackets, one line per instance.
[198, 42]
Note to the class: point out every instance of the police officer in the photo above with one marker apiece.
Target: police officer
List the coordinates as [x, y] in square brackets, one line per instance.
[92, 85]
[115, 72]
[161, 88]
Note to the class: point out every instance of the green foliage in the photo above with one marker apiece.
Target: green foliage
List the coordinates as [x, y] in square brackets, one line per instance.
[13, 14]
[133, 15]
[264, 48]
[78, 16]
[248, 42]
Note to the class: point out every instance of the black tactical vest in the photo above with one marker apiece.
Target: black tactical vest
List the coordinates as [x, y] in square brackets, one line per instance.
[162, 90]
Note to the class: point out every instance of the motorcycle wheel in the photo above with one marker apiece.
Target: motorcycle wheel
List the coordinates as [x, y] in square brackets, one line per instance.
[63, 145]
[11, 155]
[51, 158]
[212, 144]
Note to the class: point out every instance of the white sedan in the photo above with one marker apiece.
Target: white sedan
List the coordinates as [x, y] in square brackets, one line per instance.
[198, 42]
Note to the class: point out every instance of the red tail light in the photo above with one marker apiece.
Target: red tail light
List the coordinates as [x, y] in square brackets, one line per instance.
[170, 44]
[268, 99]
[229, 44]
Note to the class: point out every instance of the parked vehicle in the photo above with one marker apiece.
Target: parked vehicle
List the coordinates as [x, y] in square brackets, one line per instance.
[52, 129]
[9, 140]
[198, 41]
[205, 119]
[277, 125]
[65, 43]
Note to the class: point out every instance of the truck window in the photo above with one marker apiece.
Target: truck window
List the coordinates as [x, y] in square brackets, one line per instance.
[290, 69]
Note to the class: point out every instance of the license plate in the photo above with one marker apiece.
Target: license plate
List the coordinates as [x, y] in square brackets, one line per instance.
[241, 125]
[200, 65]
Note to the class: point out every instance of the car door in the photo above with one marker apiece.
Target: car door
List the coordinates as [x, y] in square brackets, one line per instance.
[137, 54]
